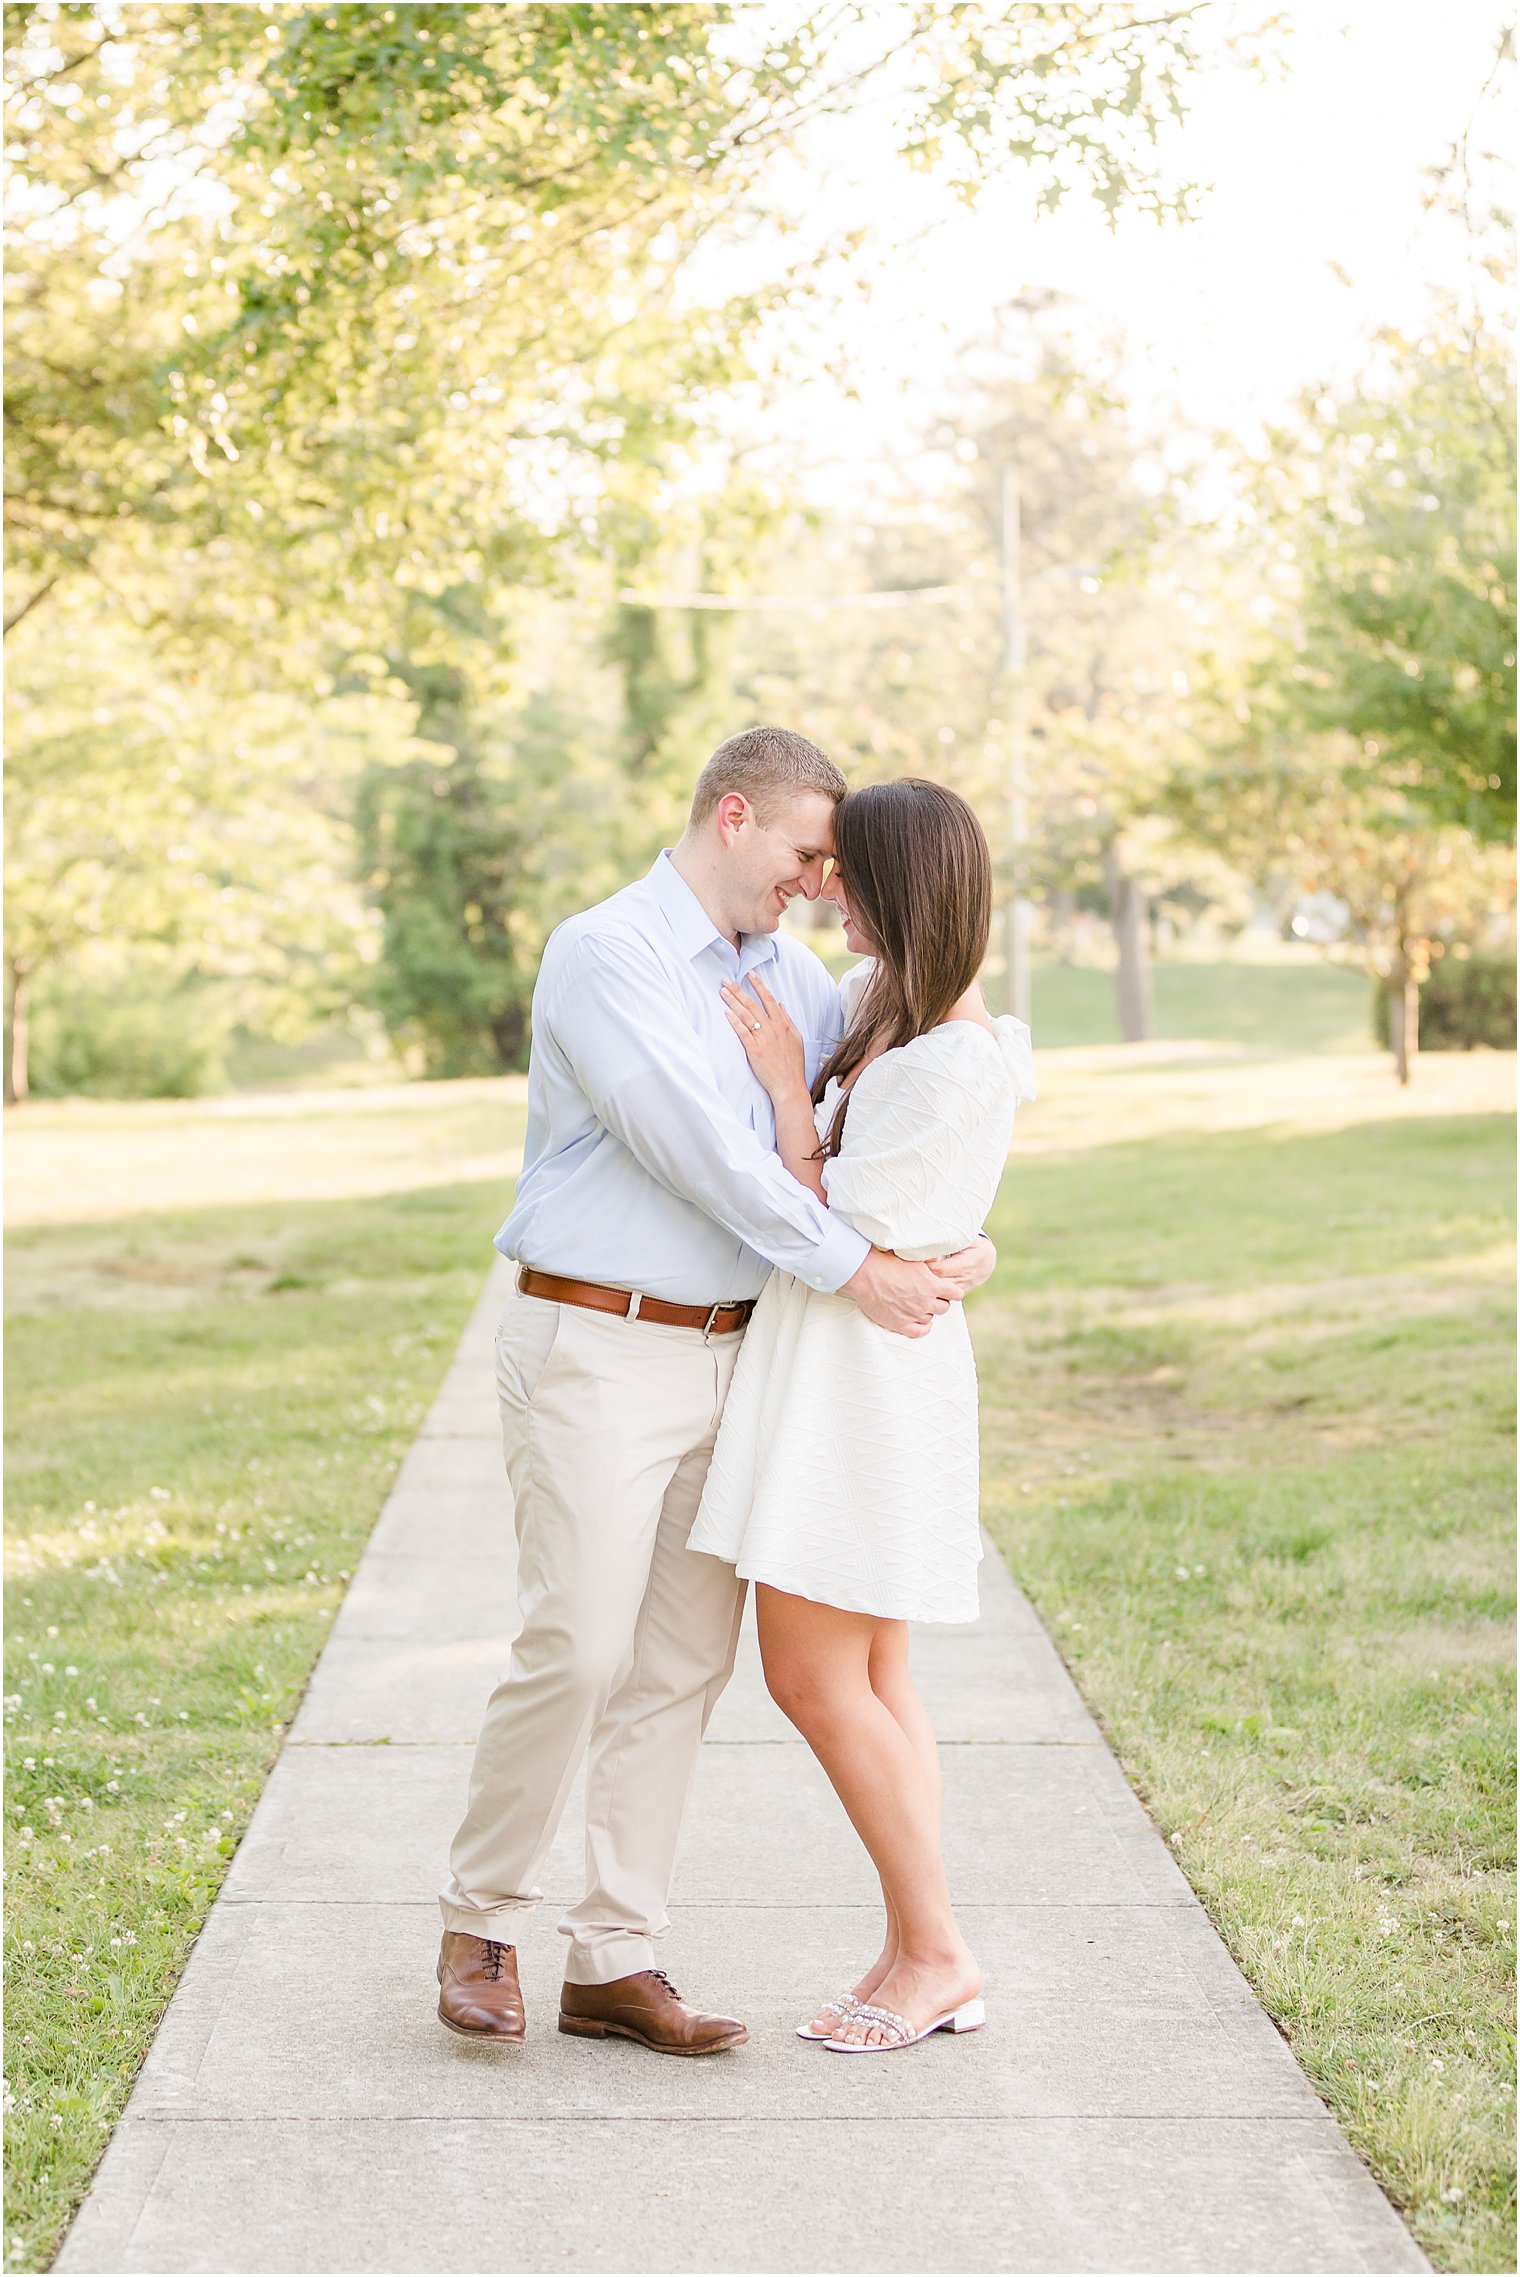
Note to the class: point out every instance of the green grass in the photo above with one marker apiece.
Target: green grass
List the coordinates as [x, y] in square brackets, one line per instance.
[205, 1410]
[1247, 1444]
[1297, 1004]
[1278, 1361]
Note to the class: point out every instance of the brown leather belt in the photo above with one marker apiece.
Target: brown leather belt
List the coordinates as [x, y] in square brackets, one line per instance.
[596, 1296]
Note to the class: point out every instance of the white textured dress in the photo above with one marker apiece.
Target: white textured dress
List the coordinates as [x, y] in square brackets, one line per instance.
[846, 1466]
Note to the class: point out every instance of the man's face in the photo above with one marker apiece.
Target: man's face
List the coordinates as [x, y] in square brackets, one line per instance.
[773, 862]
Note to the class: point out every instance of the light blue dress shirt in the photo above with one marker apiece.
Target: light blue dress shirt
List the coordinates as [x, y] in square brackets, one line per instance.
[650, 1160]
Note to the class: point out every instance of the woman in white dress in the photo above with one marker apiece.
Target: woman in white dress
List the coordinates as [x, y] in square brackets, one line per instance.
[844, 1482]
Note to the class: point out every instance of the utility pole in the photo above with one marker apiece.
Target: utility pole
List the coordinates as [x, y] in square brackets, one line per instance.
[1016, 906]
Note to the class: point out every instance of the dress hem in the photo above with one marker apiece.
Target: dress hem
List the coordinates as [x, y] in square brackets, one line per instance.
[871, 1612]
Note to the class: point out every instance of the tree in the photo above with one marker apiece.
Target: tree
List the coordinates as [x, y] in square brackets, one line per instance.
[194, 825]
[336, 304]
[920, 684]
[1103, 572]
[319, 317]
[1363, 744]
[1404, 529]
[511, 811]
[344, 299]
[1316, 815]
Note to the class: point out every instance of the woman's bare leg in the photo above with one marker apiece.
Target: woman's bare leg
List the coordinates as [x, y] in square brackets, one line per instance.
[887, 1667]
[894, 1687]
[818, 1669]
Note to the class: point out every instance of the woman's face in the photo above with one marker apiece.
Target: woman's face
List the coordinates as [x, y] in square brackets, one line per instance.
[837, 891]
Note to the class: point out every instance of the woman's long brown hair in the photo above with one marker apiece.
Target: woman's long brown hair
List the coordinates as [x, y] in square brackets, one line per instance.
[918, 878]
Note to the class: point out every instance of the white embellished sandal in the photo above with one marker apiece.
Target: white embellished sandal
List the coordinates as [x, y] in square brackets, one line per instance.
[844, 2008]
[899, 2033]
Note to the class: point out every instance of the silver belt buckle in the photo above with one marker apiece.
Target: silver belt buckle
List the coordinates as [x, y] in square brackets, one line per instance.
[707, 1325]
[635, 1299]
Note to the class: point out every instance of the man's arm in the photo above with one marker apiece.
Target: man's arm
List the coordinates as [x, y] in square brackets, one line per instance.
[649, 1080]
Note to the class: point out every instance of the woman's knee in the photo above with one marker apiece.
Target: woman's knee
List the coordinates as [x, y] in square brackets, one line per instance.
[791, 1683]
[814, 1658]
[812, 1698]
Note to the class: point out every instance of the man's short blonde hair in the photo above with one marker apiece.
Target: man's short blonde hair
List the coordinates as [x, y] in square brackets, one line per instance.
[769, 765]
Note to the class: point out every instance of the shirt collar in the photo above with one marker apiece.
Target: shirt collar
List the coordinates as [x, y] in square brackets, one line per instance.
[693, 929]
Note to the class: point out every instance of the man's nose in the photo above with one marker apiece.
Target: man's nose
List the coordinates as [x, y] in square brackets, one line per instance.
[811, 880]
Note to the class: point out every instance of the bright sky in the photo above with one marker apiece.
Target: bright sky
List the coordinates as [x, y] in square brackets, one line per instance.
[1225, 318]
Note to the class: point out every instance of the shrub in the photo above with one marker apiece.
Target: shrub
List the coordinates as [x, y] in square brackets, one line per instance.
[133, 1041]
[1467, 1002]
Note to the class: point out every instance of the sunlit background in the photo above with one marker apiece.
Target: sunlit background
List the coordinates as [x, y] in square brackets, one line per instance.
[430, 430]
[389, 554]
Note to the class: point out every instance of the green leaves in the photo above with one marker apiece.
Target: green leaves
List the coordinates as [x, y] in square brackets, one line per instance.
[1409, 599]
[321, 317]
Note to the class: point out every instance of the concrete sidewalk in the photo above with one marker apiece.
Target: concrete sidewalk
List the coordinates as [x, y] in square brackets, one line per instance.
[1128, 2108]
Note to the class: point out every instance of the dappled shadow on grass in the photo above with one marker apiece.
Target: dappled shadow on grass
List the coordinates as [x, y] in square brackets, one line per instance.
[183, 1258]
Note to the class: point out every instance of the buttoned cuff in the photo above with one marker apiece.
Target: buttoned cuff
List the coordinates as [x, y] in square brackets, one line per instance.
[837, 1259]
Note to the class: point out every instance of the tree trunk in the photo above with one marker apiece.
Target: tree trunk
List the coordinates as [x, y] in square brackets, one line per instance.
[1129, 914]
[1063, 923]
[19, 980]
[1404, 1019]
[1411, 964]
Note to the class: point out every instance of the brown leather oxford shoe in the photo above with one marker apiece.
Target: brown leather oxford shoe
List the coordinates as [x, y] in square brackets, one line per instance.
[479, 1995]
[646, 2008]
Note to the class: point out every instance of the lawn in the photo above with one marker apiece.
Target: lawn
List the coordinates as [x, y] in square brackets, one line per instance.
[1248, 1417]
[1294, 1002]
[1251, 1322]
[206, 1407]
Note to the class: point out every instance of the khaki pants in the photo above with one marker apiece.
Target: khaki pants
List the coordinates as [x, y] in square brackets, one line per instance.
[628, 1637]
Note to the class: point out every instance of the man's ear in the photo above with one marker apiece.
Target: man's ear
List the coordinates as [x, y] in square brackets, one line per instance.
[733, 811]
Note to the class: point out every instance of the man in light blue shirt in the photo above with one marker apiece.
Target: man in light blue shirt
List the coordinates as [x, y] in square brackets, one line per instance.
[650, 1156]
[651, 1207]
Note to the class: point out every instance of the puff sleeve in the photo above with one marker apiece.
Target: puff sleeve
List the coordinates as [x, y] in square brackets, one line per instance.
[926, 1137]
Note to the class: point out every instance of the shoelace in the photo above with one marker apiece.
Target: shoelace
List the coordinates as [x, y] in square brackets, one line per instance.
[661, 1978]
[495, 1954]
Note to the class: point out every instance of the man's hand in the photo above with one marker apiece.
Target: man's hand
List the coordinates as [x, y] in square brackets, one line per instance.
[968, 1268]
[903, 1297]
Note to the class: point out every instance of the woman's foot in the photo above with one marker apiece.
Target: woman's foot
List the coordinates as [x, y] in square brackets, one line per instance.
[918, 1992]
[829, 2021]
